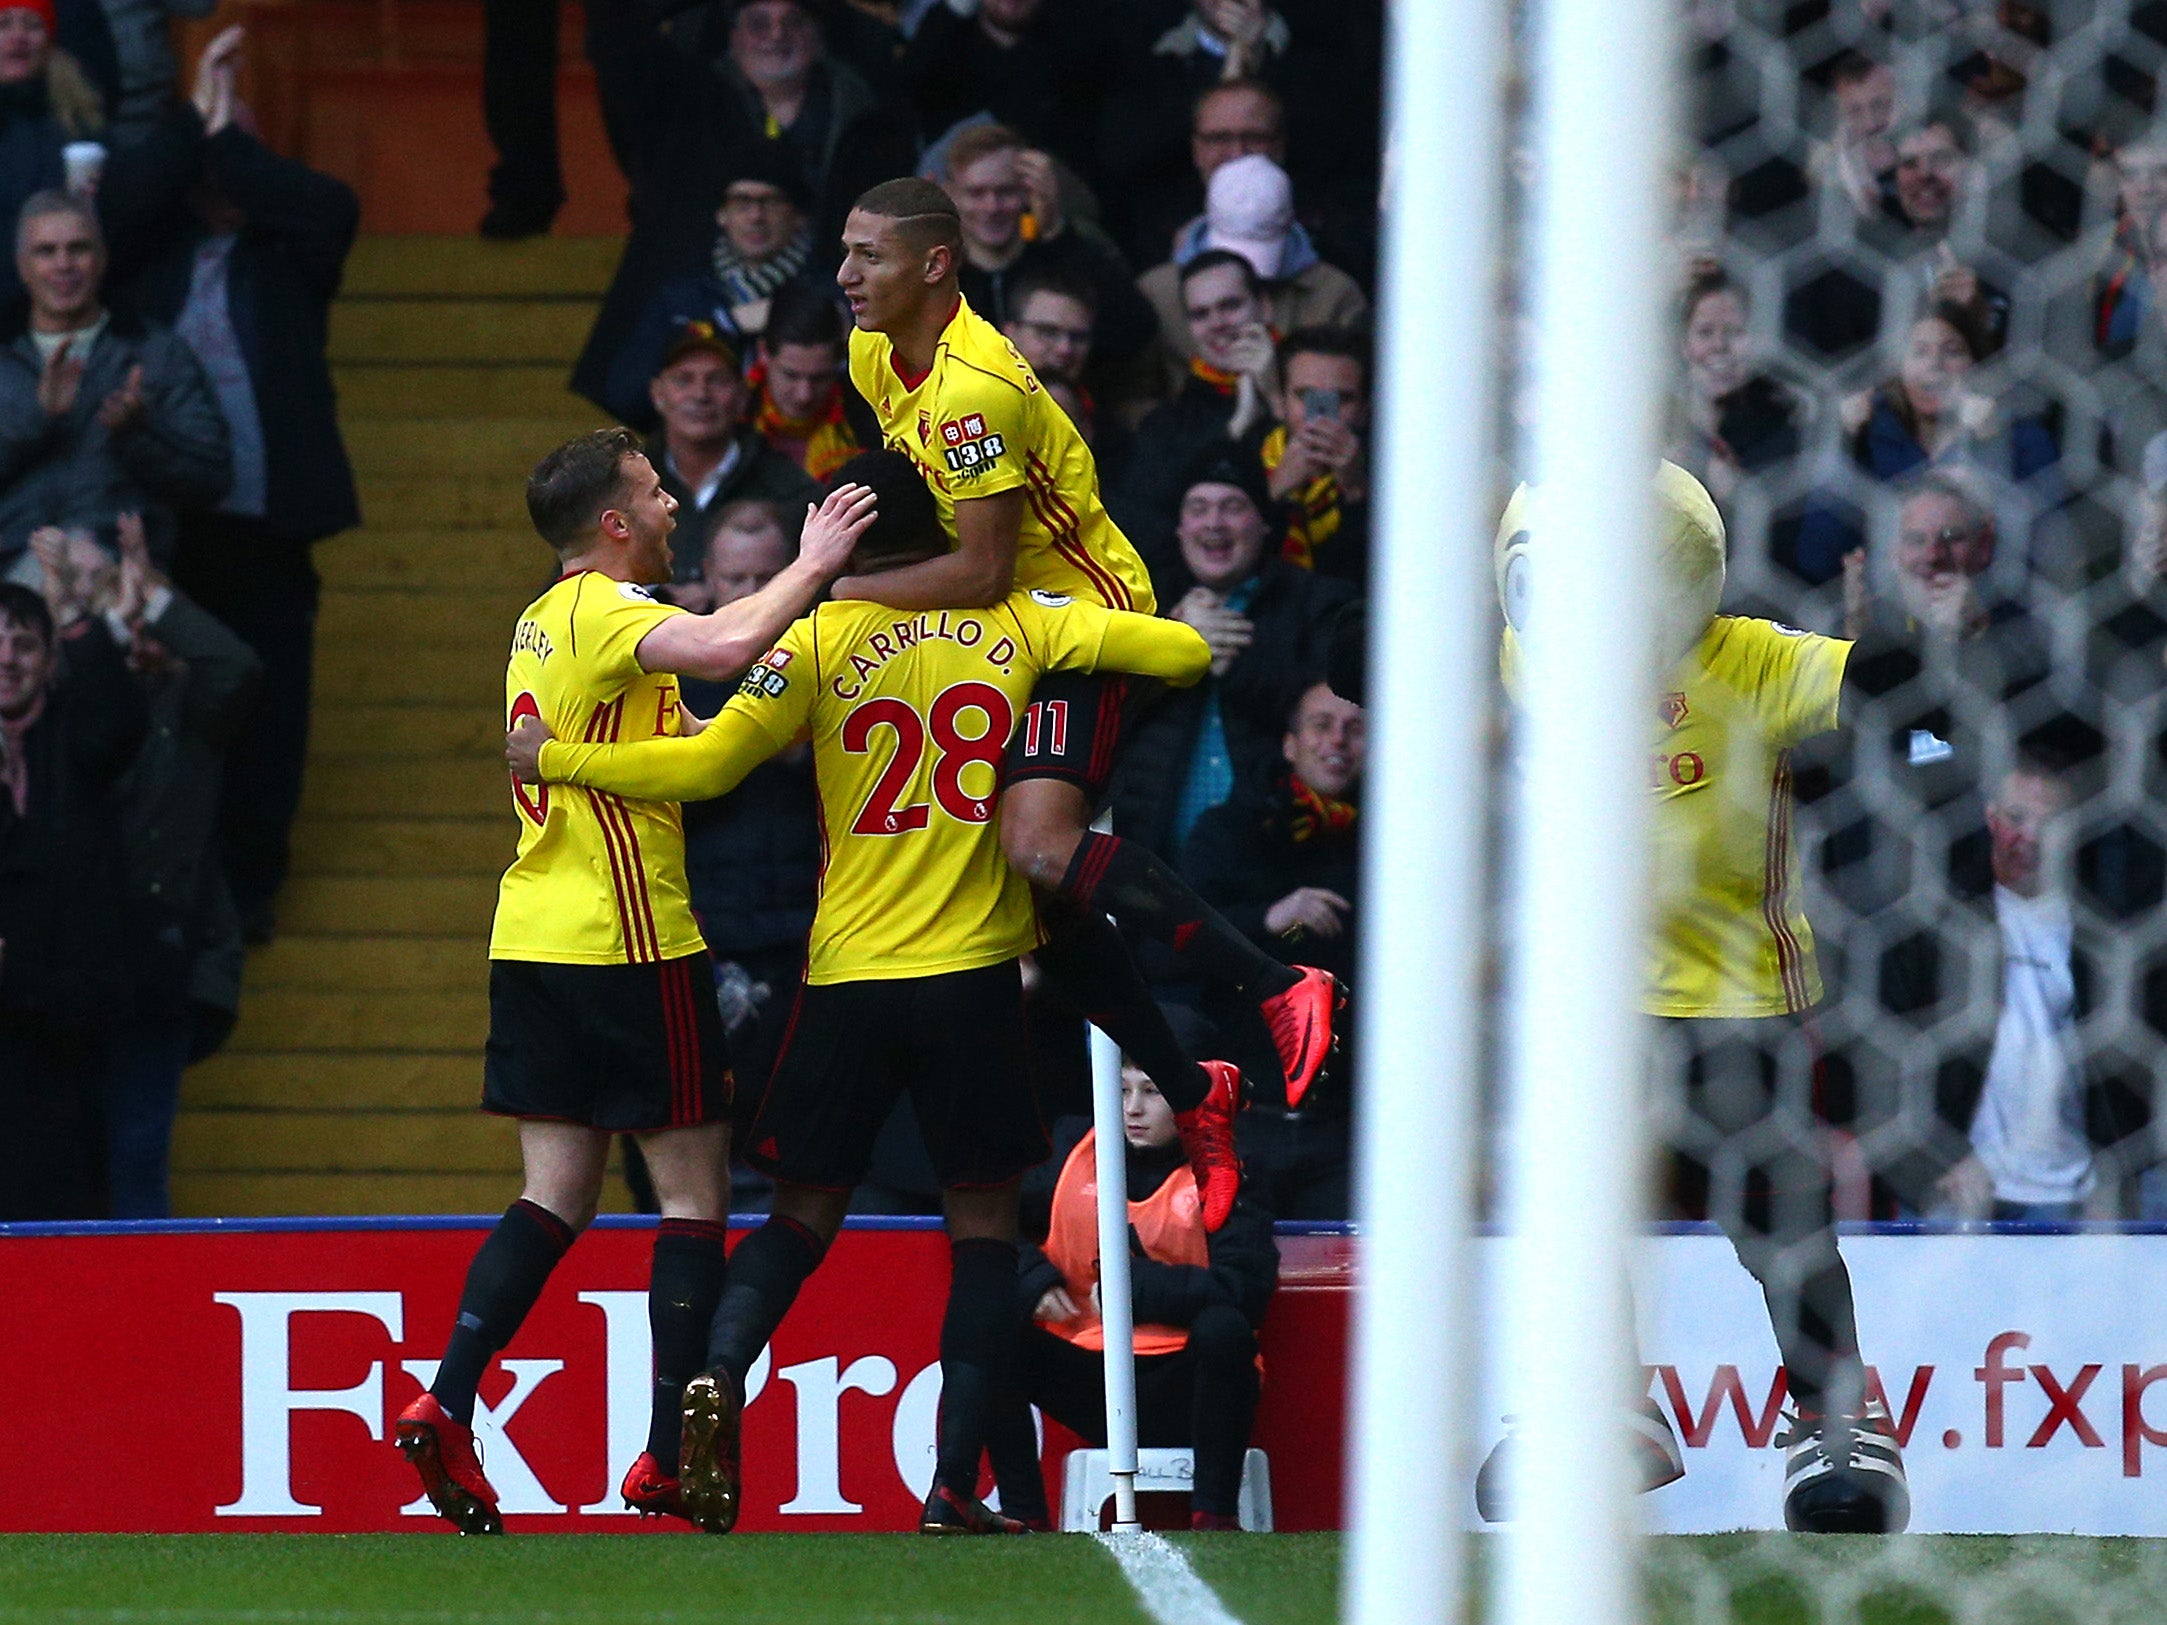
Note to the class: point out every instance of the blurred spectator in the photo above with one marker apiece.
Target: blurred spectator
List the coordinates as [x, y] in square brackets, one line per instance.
[142, 33]
[1281, 859]
[1228, 391]
[184, 938]
[710, 456]
[1050, 322]
[1264, 619]
[803, 402]
[705, 93]
[1239, 119]
[763, 244]
[1315, 460]
[2122, 292]
[1041, 67]
[1250, 210]
[100, 414]
[519, 107]
[1858, 161]
[2031, 1121]
[1730, 420]
[753, 856]
[1014, 228]
[1199, 1300]
[71, 720]
[246, 275]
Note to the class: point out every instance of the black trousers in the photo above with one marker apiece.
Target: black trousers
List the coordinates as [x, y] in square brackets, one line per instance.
[1203, 1398]
[52, 1123]
[1296, 1163]
[265, 589]
[519, 103]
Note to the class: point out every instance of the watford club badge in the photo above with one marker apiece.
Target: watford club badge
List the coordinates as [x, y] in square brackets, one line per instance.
[925, 427]
[1672, 705]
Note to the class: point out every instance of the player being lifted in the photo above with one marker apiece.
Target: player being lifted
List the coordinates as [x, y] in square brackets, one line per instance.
[1731, 979]
[912, 981]
[602, 1015]
[1018, 492]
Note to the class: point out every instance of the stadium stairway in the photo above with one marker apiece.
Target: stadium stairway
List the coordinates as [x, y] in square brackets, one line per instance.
[350, 1082]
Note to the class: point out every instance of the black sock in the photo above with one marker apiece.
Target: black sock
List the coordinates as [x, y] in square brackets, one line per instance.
[502, 1283]
[765, 1273]
[1013, 1444]
[1143, 892]
[978, 1336]
[1816, 1329]
[1085, 962]
[683, 1288]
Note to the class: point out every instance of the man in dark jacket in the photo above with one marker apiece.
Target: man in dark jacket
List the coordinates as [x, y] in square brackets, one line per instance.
[1281, 860]
[767, 76]
[1199, 1301]
[248, 271]
[1265, 621]
[70, 722]
[100, 413]
[1042, 67]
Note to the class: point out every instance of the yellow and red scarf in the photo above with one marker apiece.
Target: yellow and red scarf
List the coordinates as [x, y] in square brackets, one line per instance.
[819, 444]
[1315, 813]
[1313, 515]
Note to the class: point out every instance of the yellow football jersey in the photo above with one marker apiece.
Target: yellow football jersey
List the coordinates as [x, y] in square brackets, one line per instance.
[979, 424]
[599, 879]
[910, 714]
[1729, 935]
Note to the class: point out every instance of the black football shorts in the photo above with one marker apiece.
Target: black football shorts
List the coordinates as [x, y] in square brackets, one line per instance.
[1074, 727]
[628, 1048]
[955, 1042]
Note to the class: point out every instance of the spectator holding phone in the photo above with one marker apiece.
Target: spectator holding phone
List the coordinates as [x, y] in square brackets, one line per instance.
[1314, 457]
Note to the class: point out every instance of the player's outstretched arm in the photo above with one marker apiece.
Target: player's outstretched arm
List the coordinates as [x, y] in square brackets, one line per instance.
[1172, 651]
[711, 763]
[720, 646]
[979, 573]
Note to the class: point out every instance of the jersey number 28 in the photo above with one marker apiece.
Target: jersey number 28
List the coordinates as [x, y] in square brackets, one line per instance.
[953, 752]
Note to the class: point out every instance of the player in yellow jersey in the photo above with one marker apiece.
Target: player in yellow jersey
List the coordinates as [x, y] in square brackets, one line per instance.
[1731, 972]
[602, 1015]
[1018, 491]
[912, 981]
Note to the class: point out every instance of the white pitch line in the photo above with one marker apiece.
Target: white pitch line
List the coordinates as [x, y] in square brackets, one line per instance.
[1169, 1589]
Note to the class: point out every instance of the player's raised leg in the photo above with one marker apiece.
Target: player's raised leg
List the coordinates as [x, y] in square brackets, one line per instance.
[564, 1163]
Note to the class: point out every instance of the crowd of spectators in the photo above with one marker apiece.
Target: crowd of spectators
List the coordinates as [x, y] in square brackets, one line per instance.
[169, 449]
[1920, 367]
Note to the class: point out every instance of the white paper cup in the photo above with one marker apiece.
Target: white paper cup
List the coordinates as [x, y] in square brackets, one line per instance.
[83, 163]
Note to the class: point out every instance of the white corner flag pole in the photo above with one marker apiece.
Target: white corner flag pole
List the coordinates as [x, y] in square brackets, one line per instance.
[1604, 78]
[1432, 667]
[1116, 1307]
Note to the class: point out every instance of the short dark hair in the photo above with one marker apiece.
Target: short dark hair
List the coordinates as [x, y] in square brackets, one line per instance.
[1706, 285]
[803, 313]
[26, 609]
[922, 211]
[571, 488]
[1343, 342]
[1049, 280]
[906, 519]
[1853, 67]
[1963, 320]
[1212, 258]
[1253, 87]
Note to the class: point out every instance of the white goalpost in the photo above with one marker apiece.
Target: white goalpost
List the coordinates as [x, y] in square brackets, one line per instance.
[1117, 1308]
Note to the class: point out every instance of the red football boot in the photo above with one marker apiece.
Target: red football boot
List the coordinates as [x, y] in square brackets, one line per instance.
[947, 1513]
[1300, 1020]
[1207, 1140]
[649, 1493]
[1215, 1522]
[442, 1452]
[708, 1468]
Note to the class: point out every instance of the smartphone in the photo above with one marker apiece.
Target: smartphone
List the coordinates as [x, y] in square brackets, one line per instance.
[1321, 403]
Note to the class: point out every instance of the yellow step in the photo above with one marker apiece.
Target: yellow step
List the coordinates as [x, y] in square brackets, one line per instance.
[405, 846]
[290, 1021]
[286, 1078]
[445, 502]
[490, 448]
[269, 1195]
[424, 392]
[406, 730]
[388, 617]
[471, 265]
[389, 905]
[517, 561]
[408, 787]
[547, 329]
[348, 964]
[234, 1139]
[356, 673]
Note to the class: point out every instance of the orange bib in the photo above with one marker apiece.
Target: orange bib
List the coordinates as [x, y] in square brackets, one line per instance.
[1167, 1221]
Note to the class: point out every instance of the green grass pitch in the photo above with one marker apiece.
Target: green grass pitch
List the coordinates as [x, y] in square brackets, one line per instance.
[433, 1579]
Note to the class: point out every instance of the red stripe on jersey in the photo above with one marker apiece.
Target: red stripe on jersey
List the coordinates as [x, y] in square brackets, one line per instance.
[1775, 888]
[618, 888]
[643, 913]
[1065, 528]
